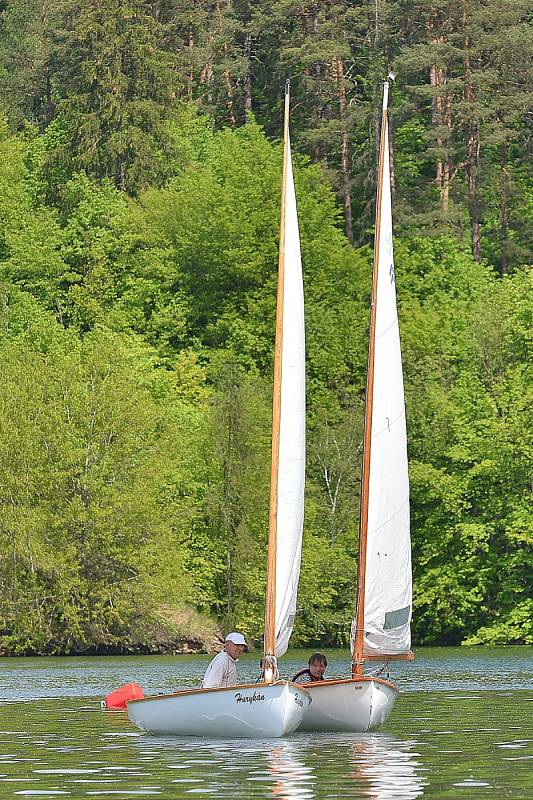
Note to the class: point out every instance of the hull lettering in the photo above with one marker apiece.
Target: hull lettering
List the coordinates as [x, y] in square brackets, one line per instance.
[256, 697]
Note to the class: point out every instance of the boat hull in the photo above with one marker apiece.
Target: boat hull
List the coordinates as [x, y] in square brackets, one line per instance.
[355, 704]
[249, 710]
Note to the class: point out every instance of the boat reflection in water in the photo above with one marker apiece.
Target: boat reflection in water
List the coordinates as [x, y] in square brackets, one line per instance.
[291, 778]
[304, 767]
[369, 766]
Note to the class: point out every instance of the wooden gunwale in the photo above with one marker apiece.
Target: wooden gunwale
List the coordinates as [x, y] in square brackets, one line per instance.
[358, 679]
[237, 687]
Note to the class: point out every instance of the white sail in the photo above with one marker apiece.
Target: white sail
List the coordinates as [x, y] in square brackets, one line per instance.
[274, 707]
[388, 584]
[291, 470]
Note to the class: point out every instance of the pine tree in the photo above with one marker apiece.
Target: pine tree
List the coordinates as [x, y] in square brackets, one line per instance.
[318, 50]
[117, 86]
[465, 86]
[27, 77]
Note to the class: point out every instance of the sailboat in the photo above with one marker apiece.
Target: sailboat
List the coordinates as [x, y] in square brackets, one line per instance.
[272, 707]
[381, 626]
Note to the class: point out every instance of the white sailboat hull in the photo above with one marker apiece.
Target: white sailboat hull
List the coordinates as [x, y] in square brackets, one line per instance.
[250, 711]
[357, 705]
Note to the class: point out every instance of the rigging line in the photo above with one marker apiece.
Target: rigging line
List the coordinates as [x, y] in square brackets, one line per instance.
[389, 426]
[390, 519]
[387, 329]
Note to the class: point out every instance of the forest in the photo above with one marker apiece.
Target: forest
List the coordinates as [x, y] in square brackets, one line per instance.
[140, 169]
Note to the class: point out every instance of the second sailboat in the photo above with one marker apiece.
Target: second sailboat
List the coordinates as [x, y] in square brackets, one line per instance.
[381, 626]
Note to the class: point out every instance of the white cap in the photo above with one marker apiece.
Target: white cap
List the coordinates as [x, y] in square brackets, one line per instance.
[236, 638]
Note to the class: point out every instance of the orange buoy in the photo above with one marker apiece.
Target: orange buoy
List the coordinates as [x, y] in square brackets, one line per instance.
[118, 700]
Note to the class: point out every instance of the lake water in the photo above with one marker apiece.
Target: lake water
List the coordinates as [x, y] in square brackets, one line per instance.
[462, 728]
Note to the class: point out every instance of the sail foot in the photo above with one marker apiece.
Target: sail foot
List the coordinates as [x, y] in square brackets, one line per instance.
[386, 657]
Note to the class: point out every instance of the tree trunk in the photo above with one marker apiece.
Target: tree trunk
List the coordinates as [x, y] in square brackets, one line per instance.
[206, 77]
[227, 73]
[472, 161]
[338, 69]
[378, 88]
[248, 75]
[190, 77]
[441, 119]
[229, 92]
[228, 514]
[472, 153]
[504, 208]
[447, 163]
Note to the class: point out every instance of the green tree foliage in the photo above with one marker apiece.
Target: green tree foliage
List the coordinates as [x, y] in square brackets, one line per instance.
[105, 77]
[30, 238]
[466, 346]
[116, 92]
[27, 74]
[467, 67]
[93, 440]
[138, 260]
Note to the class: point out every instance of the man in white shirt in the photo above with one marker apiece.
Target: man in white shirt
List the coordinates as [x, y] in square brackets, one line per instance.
[222, 671]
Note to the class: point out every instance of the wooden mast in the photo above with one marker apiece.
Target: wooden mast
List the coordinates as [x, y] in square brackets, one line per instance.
[270, 611]
[358, 645]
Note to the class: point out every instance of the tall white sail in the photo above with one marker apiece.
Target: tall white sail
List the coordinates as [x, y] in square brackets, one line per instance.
[291, 469]
[388, 582]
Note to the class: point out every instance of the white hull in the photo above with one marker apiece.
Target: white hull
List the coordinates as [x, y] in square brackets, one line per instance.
[356, 705]
[250, 710]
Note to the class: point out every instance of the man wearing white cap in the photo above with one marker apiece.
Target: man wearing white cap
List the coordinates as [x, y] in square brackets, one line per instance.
[222, 671]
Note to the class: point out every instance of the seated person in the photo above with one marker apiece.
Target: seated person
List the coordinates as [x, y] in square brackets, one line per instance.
[222, 671]
[314, 672]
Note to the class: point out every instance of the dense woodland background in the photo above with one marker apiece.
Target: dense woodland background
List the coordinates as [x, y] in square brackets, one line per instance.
[139, 205]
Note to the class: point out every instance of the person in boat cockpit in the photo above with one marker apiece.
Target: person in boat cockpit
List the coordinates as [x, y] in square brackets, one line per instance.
[222, 671]
[314, 672]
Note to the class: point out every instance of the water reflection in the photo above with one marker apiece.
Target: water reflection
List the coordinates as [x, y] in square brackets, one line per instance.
[291, 779]
[375, 766]
[303, 767]
[391, 768]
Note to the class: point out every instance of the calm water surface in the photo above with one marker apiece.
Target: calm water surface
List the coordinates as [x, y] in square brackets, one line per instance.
[462, 728]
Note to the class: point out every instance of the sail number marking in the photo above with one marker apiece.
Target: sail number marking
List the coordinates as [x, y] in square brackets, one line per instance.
[298, 701]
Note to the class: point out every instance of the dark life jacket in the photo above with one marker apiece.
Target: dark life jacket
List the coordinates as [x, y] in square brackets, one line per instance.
[307, 673]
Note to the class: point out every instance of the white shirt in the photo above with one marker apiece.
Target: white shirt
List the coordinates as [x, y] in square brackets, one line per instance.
[222, 671]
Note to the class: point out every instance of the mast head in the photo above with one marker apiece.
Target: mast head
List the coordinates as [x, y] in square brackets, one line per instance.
[386, 86]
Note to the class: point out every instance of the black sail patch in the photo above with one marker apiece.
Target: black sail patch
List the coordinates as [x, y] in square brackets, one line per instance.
[394, 619]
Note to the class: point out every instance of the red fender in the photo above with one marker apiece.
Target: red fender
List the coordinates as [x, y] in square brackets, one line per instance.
[118, 700]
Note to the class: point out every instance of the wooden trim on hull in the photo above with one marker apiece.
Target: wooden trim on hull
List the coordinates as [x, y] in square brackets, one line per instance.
[202, 691]
[359, 679]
